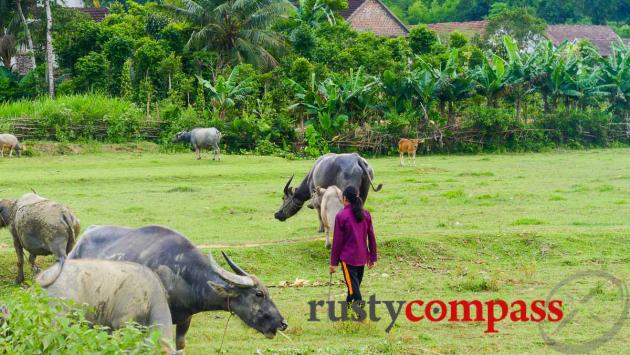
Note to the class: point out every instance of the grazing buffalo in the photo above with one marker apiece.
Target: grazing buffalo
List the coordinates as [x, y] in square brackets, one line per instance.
[194, 283]
[330, 202]
[40, 226]
[11, 142]
[409, 146]
[201, 138]
[116, 291]
[341, 170]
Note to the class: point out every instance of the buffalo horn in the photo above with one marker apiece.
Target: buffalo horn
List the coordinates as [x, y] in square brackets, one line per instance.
[286, 187]
[233, 265]
[236, 280]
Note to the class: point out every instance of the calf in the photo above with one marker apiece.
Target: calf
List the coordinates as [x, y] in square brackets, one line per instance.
[116, 292]
[11, 142]
[330, 203]
[408, 146]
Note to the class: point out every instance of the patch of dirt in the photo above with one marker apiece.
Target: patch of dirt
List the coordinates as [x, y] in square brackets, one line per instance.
[253, 245]
[56, 148]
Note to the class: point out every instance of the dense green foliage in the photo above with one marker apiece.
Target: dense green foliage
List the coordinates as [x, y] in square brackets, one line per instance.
[552, 11]
[274, 78]
[37, 324]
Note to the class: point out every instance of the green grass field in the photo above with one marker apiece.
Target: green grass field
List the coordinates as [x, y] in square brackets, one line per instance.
[453, 227]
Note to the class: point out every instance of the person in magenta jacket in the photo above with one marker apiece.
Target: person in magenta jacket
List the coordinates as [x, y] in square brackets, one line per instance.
[354, 244]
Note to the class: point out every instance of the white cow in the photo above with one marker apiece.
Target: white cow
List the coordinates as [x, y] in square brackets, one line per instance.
[11, 142]
[330, 202]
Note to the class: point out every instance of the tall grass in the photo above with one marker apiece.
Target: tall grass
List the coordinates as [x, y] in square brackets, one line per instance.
[76, 117]
[94, 105]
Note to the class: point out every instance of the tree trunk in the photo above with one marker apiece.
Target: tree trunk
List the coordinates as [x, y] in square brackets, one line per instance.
[149, 104]
[545, 103]
[442, 108]
[451, 114]
[50, 55]
[518, 107]
[27, 32]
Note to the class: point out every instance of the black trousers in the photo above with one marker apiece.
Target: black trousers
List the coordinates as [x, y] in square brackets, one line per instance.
[353, 275]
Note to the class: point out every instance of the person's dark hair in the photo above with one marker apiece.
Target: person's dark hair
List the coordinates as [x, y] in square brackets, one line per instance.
[352, 195]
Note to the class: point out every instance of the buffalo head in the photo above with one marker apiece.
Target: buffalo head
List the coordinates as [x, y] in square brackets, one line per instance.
[290, 203]
[181, 136]
[5, 212]
[247, 297]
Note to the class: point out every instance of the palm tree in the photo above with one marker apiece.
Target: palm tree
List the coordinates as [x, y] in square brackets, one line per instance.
[239, 30]
[27, 33]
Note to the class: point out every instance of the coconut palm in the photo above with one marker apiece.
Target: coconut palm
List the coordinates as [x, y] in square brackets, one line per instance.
[239, 30]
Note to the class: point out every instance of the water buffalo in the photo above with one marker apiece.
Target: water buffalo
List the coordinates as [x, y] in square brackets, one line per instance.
[116, 291]
[194, 283]
[330, 202]
[11, 142]
[40, 226]
[201, 138]
[341, 170]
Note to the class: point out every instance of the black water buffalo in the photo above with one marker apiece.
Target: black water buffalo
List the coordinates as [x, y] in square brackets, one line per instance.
[341, 170]
[194, 283]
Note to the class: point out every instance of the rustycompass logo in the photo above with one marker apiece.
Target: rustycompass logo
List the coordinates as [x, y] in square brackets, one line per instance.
[585, 314]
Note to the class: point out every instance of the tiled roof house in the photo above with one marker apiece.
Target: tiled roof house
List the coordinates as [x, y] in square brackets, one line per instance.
[601, 36]
[469, 28]
[373, 16]
[96, 13]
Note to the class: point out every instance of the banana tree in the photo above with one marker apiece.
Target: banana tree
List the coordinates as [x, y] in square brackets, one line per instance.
[423, 84]
[452, 84]
[616, 73]
[491, 79]
[225, 92]
[555, 74]
[330, 102]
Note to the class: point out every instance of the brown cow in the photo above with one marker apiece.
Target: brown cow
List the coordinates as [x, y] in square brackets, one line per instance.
[408, 146]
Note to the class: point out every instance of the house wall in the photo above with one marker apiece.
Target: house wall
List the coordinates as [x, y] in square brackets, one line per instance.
[71, 3]
[372, 17]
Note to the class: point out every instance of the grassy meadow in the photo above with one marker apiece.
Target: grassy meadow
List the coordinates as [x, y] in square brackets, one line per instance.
[452, 227]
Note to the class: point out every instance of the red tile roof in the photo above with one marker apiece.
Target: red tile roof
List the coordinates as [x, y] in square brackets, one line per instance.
[469, 28]
[601, 36]
[374, 16]
[96, 13]
[353, 5]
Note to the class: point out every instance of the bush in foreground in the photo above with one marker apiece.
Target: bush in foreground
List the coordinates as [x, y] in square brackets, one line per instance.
[37, 324]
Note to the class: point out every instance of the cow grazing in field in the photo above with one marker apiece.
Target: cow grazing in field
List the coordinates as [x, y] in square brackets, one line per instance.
[201, 138]
[40, 226]
[341, 170]
[409, 146]
[116, 292]
[330, 201]
[194, 283]
[10, 142]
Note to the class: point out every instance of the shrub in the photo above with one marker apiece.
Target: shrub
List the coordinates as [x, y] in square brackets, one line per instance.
[38, 325]
[577, 129]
